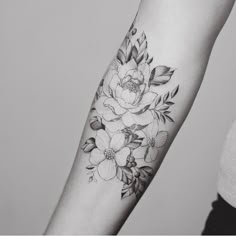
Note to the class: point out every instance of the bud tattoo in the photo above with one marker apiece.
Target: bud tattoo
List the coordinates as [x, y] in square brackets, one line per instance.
[126, 117]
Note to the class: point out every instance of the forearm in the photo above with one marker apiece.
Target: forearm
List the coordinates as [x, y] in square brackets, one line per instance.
[140, 105]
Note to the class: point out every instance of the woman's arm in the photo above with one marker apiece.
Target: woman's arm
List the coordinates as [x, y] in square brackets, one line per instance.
[138, 109]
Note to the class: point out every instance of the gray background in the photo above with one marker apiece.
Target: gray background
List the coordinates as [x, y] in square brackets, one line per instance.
[52, 55]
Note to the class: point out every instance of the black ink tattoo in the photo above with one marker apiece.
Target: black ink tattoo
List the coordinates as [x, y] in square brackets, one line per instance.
[126, 117]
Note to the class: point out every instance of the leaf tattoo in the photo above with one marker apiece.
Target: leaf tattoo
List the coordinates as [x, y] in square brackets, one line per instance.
[126, 117]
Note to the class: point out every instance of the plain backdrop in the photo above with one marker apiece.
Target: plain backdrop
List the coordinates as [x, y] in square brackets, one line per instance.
[52, 55]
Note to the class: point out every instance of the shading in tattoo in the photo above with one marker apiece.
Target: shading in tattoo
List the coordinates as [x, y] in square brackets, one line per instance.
[126, 117]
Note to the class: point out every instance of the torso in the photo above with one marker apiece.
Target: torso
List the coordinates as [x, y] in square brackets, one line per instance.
[227, 171]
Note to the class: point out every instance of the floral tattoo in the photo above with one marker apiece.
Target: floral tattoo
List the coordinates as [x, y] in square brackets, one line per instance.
[126, 117]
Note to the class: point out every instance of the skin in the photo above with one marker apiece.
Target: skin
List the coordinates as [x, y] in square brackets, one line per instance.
[181, 33]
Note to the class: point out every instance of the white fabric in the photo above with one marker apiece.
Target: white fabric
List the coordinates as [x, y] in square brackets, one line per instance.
[227, 171]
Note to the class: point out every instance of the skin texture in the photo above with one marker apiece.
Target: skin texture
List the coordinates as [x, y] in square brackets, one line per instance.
[180, 35]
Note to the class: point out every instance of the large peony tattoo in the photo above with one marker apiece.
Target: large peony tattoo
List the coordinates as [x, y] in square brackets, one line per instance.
[126, 117]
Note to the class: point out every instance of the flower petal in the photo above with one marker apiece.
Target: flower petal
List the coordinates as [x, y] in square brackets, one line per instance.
[107, 169]
[126, 67]
[144, 118]
[142, 87]
[136, 75]
[121, 156]
[117, 141]
[99, 105]
[161, 139]
[126, 79]
[114, 126]
[119, 91]
[141, 119]
[152, 154]
[144, 142]
[104, 111]
[114, 82]
[152, 129]
[102, 140]
[147, 99]
[107, 79]
[110, 116]
[145, 68]
[139, 153]
[96, 156]
[127, 119]
[114, 106]
[124, 104]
